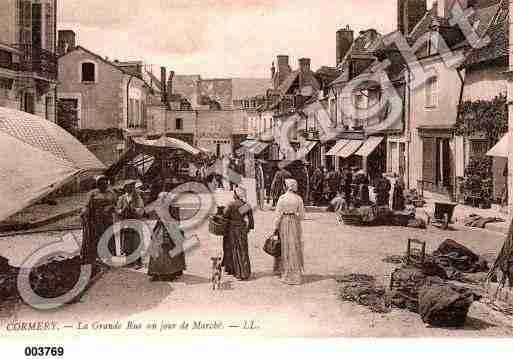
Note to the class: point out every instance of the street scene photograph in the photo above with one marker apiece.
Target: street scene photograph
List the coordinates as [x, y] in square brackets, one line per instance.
[255, 169]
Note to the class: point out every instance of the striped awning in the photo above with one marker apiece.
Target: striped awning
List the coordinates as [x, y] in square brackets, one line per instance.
[305, 150]
[349, 149]
[259, 147]
[338, 146]
[369, 146]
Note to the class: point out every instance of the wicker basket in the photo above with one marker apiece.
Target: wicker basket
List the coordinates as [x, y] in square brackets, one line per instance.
[217, 226]
[352, 219]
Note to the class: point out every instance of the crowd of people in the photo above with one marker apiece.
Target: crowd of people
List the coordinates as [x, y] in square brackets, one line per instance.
[353, 185]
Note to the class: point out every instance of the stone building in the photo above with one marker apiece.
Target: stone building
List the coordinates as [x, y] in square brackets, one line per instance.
[105, 94]
[28, 60]
[208, 113]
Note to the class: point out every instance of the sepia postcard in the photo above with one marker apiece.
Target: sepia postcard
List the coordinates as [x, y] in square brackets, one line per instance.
[253, 170]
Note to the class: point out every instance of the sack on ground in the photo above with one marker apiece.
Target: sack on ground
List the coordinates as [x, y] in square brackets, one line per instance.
[442, 305]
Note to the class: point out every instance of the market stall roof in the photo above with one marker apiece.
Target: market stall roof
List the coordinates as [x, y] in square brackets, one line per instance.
[369, 146]
[248, 143]
[349, 149]
[338, 146]
[37, 158]
[259, 147]
[167, 143]
[501, 149]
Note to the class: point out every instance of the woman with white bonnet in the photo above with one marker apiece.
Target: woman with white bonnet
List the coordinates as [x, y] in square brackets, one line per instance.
[290, 211]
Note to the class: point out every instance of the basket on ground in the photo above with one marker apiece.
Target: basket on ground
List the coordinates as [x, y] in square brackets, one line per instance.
[217, 226]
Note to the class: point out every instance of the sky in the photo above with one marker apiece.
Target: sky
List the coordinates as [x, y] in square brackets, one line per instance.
[220, 38]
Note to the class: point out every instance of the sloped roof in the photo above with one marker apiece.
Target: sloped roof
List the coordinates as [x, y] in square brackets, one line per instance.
[484, 12]
[498, 33]
[247, 87]
[309, 79]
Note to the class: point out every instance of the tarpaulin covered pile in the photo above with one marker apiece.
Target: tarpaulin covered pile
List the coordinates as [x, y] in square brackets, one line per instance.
[37, 157]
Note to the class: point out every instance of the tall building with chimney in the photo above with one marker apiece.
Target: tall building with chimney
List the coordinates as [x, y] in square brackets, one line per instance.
[28, 60]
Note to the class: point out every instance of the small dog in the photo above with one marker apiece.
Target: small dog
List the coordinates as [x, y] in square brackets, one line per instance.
[217, 271]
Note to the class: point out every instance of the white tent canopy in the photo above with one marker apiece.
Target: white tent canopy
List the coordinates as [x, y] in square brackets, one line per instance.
[37, 157]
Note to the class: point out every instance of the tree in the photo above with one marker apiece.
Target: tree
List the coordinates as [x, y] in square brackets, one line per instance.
[67, 116]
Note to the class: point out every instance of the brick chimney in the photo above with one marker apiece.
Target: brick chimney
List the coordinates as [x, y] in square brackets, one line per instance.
[444, 7]
[283, 68]
[170, 83]
[66, 41]
[345, 38]
[409, 13]
[304, 65]
[163, 81]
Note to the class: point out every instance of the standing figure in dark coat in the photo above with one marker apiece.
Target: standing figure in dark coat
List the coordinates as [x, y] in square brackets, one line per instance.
[333, 179]
[97, 217]
[398, 196]
[278, 185]
[317, 186]
[166, 265]
[239, 216]
[348, 183]
[382, 191]
[130, 206]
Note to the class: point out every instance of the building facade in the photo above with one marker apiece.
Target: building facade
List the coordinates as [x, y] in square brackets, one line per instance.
[28, 60]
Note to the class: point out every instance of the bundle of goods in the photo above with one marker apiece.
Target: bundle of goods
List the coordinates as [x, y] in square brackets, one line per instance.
[453, 255]
[51, 279]
[405, 284]
[362, 289]
[443, 305]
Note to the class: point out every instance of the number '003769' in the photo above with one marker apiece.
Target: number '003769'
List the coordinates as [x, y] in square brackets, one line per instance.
[42, 352]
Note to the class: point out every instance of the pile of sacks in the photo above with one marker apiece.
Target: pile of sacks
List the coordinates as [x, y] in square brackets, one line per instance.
[424, 289]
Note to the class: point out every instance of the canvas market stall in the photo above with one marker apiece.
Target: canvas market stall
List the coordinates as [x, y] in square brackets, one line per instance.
[38, 157]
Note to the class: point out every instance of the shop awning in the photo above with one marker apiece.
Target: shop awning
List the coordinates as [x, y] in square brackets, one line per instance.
[168, 143]
[349, 149]
[248, 143]
[369, 146]
[259, 147]
[338, 146]
[501, 149]
[305, 150]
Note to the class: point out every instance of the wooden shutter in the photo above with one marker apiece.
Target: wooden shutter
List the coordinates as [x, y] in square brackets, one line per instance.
[428, 159]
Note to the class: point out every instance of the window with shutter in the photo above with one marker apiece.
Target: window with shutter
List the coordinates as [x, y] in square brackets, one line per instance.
[428, 160]
[431, 89]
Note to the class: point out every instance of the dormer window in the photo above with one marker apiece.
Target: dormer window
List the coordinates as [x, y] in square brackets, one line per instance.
[88, 72]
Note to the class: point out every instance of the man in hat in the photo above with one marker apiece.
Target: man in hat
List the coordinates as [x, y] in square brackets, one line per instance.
[130, 206]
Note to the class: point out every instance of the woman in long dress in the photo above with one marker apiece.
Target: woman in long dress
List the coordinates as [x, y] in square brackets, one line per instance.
[97, 217]
[290, 211]
[240, 222]
[166, 266]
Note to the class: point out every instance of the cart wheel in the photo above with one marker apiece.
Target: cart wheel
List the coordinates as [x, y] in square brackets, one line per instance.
[445, 225]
